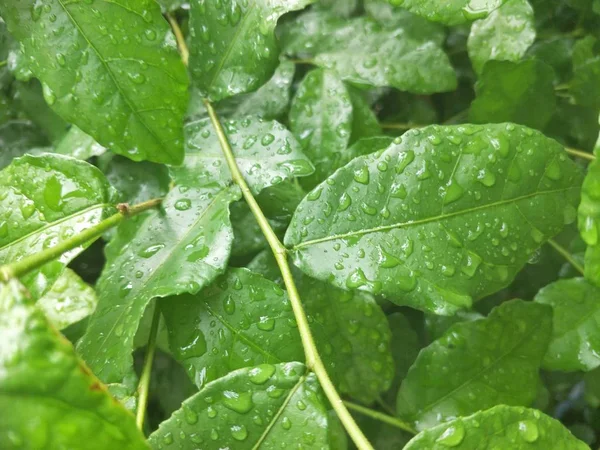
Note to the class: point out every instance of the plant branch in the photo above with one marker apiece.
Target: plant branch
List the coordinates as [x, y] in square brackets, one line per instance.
[26, 265]
[185, 53]
[393, 421]
[580, 154]
[144, 383]
[565, 253]
[313, 360]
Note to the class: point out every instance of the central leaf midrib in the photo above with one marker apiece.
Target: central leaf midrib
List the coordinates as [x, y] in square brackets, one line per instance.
[426, 220]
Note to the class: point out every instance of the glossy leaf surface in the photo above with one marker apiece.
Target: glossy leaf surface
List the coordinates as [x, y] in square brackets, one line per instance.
[415, 221]
[450, 12]
[575, 343]
[500, 427]
[46, 387]
[243, 51]
[477, 365]
[111, 69]
[78, 144]
[505, 34]
[267, 406]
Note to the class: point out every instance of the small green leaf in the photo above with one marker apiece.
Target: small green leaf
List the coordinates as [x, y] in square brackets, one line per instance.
[267, 407]
[505, 34]
[111, 69]
[233, 47]
[68, 301]
[521, 92]
[78, 144]
[450, 12]
[477, 365]
[45, 200]
[321, 119]
[575, 343]
[501, 427]
[444, 216]
[46, 387]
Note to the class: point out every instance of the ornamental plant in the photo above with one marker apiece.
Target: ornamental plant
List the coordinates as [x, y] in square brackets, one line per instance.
[307, 224]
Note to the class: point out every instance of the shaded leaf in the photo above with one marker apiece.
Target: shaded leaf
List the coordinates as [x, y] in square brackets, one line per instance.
[45, 386]
[450, 12]
[586, 73]
[129, 93]
[500, 427]
[265, 407]
[364, 120]
[78, 144]
[575, 343]
[18, 137]
[521, 92]
[243, 51]
[436, 199]
[477, 365]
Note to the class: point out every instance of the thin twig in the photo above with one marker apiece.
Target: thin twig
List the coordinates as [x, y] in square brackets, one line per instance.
[565, 253]
[393, 421]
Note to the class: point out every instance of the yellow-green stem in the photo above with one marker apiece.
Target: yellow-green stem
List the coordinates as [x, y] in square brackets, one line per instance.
[144, 383]
[580, 154]
[185, 54]
[393, 421]
[313, 360]
[20, 268]
[565, 253]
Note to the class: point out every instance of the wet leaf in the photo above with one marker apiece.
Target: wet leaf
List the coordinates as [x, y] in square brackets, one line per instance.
[111, 69]
[266, 406]
[575, 343]
[474, 365]
[450, 12]
[442, 217]
[505, 34]
[586, 72]
[233, 46]
[500, 427]
[78, 144]
[45, 386]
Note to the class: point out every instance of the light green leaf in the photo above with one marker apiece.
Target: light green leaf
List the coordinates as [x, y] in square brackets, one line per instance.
[321, 119]
[342, 8]
[112, 69]
[521, 92]
[477, 365]
[264, 407]
[505, 34]
[450, 12]
[501, 427]
[444, 216]
[46, 387]
[78, 144]
[45, 200]
[233, 49]
[575, 343]
[68, 301]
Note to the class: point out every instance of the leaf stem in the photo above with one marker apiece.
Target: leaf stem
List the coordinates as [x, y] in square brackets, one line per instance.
[20, 268]
[393, 421]
[185, 53]
[580, 154]
[3, 63]
[313, 359]
[565, 253]
[144, 383]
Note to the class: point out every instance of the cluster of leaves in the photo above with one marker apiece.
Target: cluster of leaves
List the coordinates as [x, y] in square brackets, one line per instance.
[429, 165]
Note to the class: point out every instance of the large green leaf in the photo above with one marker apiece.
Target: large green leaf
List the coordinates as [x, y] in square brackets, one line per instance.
[267, 407]
[444, 216]
[112, 69]
[450, 12]
[521, 92]
[502, 427]
[233, 46]
[321, 119]
[477, 365]
[505, 34]
[575, 343]
[45, 200]
[48, 396]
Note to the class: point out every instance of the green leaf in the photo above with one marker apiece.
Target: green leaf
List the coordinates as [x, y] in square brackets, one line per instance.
[113, 70]
[477, 365]
[68, 301]
[19, 137]
[233, 49]
[502, 427]
[505, 34]
[342, 8]
[78, 144]
[248, 237]
[321, 119]
[265, 407]
[586, 73]
[437, 326]
[450, 12]
[46, 387]
[521, 92]
[444, 216]
[575, 343]
[266, 152]
[45, 200]
[364, 120]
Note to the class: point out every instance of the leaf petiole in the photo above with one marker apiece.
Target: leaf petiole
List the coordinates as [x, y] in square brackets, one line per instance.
[565, 253]
[144, 383]
[393, 421]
